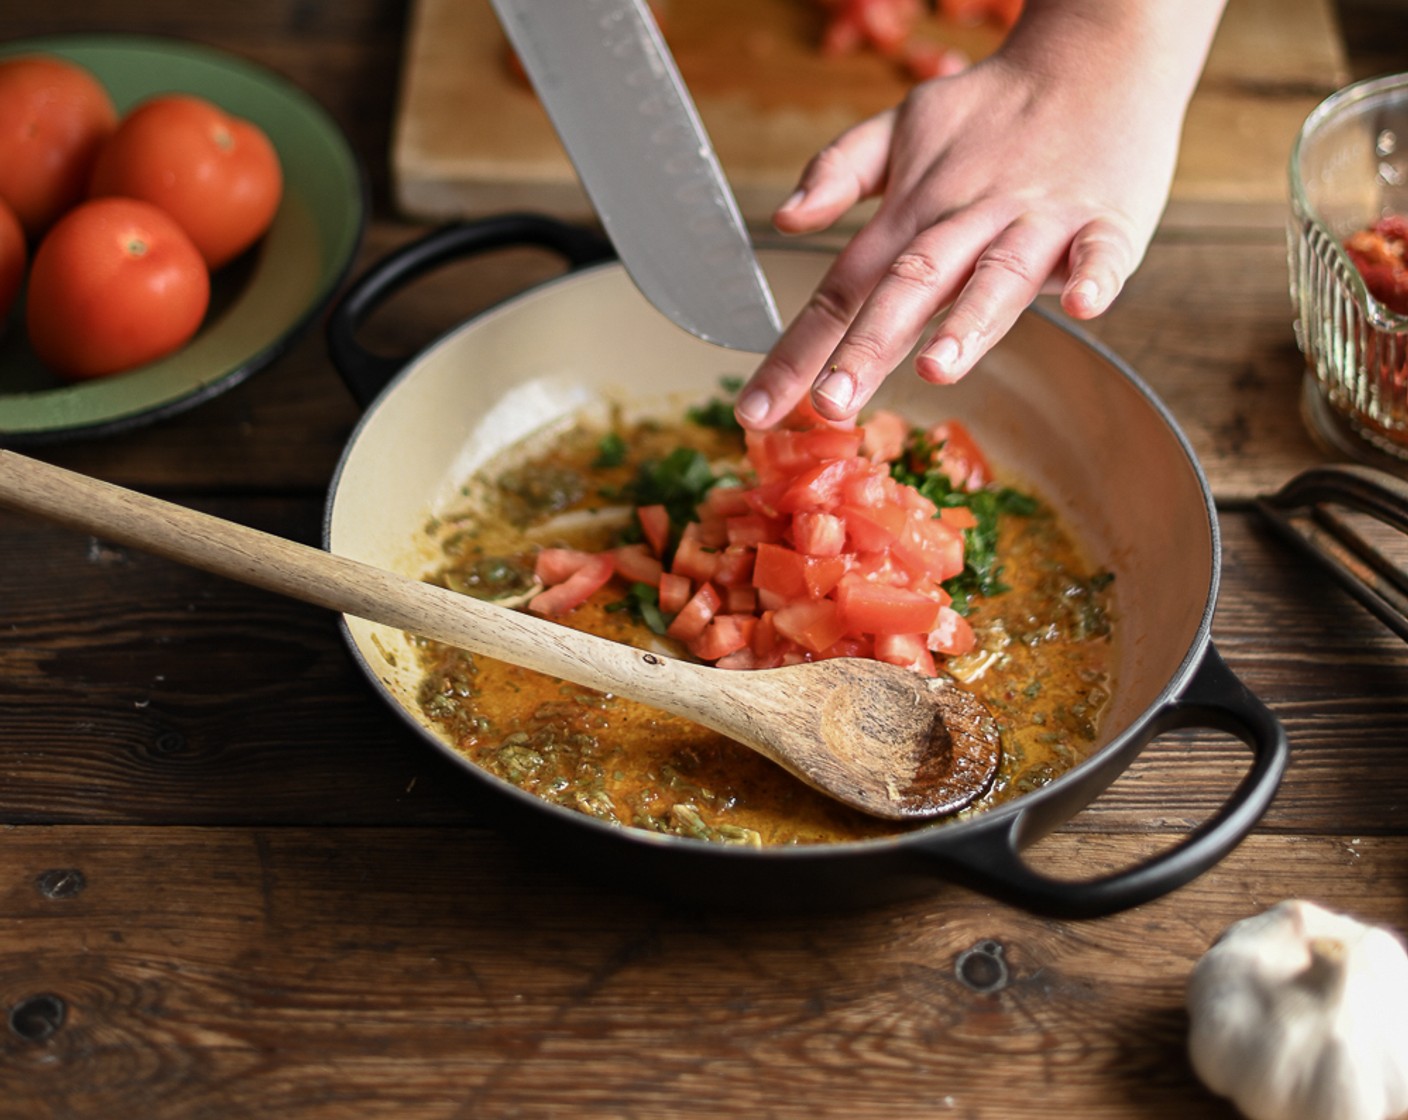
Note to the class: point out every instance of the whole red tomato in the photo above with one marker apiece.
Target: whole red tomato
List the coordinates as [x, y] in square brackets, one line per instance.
[54, 115]
[13, 255]
[115, 284]
[216, 174]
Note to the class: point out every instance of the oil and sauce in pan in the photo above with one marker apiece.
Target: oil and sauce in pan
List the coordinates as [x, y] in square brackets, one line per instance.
[1042, 659]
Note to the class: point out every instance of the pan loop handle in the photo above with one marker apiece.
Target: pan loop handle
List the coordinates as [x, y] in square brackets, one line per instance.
[1307, 511]
[1216, 699]
[367, 374]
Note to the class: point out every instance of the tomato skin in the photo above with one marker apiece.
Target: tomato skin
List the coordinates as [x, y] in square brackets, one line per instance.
[14, 255]
[584, 582]
[115, 284]
[54, 117]
[216, 174]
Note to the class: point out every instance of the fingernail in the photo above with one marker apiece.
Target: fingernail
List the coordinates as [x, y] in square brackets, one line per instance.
[1086, 293]
[837, 388]
[792, 200]
[753, 406]
[943, 354]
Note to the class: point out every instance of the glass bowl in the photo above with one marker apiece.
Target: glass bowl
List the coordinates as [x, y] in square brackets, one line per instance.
[1348, 169]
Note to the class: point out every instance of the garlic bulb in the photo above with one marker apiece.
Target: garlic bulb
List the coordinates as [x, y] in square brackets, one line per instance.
[1302, 1014]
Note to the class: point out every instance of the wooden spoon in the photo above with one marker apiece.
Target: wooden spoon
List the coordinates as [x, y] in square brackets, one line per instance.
[875, 736]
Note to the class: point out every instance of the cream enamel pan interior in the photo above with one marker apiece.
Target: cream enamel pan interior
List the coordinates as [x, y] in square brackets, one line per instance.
[1051, 409]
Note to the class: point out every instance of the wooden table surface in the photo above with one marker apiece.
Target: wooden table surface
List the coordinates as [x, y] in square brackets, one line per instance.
[231, 885]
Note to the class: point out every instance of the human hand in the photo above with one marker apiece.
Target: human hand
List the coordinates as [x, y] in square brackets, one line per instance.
[1045, 167]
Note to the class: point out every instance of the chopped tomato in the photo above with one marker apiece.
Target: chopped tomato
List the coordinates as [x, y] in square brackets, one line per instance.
[781, 571]
[695, 614]
[822, 573]
[821, 553]
[908, 650]
[655, 524]
[553, 565]
[724, 634]
[958, 455]
[693, 558]
[818, 534]
[635, 564]
[814, 624]
[675, 591]
[752, 528]
[872, 528]
[741, 600]
[577, 588]
[953, 635]
[883, 436]
[734, 567]
[875, 608]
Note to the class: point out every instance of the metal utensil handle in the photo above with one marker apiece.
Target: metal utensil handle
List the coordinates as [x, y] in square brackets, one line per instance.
[366, 373]
[1303, 513]
[993, 863]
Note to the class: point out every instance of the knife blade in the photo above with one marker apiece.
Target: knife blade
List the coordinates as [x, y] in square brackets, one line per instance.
[616, 99]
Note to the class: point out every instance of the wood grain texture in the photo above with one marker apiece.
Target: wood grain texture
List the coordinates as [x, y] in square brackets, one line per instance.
[435, 973]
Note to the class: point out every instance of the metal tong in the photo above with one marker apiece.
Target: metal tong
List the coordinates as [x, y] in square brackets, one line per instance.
[1308, 512]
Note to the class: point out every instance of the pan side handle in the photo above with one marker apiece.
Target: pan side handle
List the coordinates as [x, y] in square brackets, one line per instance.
[1214, 699]
[367, 373]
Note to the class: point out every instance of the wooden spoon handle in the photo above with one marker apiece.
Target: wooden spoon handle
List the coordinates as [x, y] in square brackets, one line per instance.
[314, 576]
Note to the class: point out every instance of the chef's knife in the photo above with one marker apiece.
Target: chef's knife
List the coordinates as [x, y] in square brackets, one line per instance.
[611, 88]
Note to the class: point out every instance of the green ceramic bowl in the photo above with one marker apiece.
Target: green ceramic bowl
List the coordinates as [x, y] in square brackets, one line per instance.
[259, 303]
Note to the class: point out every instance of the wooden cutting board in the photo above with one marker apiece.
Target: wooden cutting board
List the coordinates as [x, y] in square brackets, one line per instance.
[470, 137]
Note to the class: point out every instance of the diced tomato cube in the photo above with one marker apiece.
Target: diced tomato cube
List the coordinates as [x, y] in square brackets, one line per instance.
[819, 487]
[850, 645]
[554, 565]
[780, 571]
[693, 558]
[874, 608]
[741, 600]
[823, 573]
[873, 528]
[929, 547]
[908, 650]
[832, 443]
[576, 589]
[814, 624]
[778, 455]
[753, 528]
[634, 562]
[734, 567]
[655, 524]
[739, 659]
[695, 614]
[959, 456]
[883, 436]
[953, 635]
[724, 634]
[675, 591]
[960, 517]
[724, 501]
[763, 498]
[764, 635]
[818, 534]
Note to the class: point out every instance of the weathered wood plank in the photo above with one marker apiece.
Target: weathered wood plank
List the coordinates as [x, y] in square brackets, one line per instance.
[435, 973]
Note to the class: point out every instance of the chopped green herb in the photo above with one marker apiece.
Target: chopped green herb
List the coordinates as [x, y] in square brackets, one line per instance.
[610, 450]
[643, 601]
[718, 412]
[678, 482]
[982, 574]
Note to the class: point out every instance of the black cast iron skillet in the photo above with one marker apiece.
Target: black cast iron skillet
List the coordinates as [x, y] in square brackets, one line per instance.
[1049, 404]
